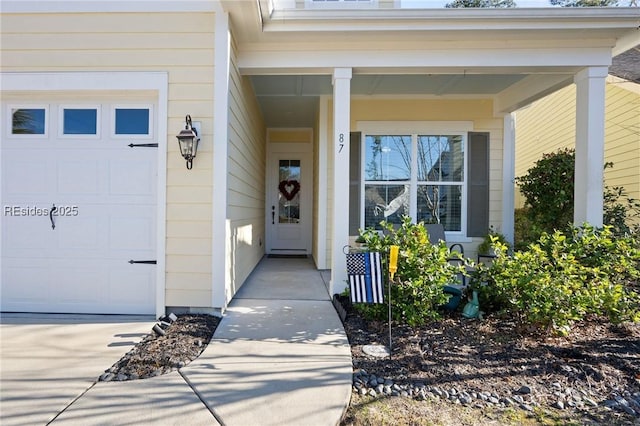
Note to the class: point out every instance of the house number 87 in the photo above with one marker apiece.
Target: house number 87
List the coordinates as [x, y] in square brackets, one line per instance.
[340, 142]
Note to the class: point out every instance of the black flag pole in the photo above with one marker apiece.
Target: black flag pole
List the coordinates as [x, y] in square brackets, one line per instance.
[393, 267]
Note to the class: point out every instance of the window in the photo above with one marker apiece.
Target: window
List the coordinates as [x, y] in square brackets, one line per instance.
[420, 174]
[289, 196]
[440, 180]
[387, 176]
[132, 121]
[80, 121]
[29, 121]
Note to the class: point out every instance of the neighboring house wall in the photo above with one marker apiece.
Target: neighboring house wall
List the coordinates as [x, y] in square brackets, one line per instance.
[177, 43]
[549, 125]
[477, 111]
[246, 177]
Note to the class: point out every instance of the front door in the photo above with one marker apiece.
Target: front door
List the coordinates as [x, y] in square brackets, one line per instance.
[289, 198]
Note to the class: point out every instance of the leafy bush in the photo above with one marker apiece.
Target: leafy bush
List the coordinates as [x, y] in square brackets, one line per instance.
[549, 190]
[621, 212]
[548, 187]
[525, 230]
[423, 271]
[486, 246]
[564, 278]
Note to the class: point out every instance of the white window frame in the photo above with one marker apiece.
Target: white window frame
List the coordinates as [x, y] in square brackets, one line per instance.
[12, 107]
[132, 106]
[415, 129]
[340, 4]
[63, 135]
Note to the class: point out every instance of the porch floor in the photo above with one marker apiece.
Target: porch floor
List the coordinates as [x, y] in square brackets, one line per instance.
[286, 279]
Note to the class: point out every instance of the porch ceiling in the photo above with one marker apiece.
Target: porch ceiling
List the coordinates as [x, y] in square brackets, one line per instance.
[291, 100]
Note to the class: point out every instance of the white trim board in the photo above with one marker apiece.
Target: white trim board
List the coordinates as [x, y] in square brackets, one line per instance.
[89, 6]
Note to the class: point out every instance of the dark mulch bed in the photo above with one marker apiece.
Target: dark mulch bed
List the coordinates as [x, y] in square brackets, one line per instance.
[598, 359]
[183, 341]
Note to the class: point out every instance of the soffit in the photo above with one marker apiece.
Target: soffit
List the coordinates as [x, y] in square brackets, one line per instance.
[384, 84]
[292, 100]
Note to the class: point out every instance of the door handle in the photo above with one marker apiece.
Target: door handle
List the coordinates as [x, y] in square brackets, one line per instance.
[273, 215]
[51, 212]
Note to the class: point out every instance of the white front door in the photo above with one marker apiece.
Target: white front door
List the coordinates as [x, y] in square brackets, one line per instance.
[289, 198]
[78, 205]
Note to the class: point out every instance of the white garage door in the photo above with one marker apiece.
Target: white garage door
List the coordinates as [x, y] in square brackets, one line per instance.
[78, 205]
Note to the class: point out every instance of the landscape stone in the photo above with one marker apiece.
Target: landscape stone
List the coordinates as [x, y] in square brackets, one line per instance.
[524, 390]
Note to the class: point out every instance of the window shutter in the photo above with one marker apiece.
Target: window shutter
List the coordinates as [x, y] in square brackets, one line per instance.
[354, 182]
[478, 185]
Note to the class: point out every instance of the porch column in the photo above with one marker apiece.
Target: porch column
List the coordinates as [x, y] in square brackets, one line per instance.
[508, 176]
[220, 241]
[589, 174]
[340, 192]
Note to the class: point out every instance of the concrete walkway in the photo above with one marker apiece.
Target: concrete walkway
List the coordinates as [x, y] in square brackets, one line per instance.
[279, 357]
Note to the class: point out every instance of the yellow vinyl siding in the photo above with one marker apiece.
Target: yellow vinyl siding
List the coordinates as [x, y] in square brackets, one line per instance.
[180, 44]
[293, 135]
[549, 124]
[246, 176]
[622, 138]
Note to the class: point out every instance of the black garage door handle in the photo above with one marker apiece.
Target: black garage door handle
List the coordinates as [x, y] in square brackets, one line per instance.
[51, 212]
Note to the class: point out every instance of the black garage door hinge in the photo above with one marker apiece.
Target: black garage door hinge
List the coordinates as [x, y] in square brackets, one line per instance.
[145, 145]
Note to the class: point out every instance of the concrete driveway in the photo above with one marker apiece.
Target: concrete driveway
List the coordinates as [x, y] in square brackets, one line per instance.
[47, 361]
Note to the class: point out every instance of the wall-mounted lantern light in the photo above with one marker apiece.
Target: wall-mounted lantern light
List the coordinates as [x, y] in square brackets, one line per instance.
[188, 140]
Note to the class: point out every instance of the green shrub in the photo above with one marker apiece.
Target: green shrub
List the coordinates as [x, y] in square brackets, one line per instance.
[525, 230]
[621, 212]
[423, 271]
[564, 278]
[486, 246]
[548, 187]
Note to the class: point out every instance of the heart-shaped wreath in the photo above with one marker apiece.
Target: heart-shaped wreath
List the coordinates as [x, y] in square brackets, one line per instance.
[289, 188]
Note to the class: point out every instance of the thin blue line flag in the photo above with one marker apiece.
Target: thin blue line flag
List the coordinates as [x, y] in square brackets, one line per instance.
[365, 277]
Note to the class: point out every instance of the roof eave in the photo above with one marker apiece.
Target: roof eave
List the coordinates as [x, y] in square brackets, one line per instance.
[451, 19]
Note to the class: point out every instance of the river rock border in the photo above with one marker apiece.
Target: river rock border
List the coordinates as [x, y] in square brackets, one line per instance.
[365, 383]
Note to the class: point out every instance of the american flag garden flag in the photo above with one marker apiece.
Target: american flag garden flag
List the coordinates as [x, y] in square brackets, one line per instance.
[365, 277]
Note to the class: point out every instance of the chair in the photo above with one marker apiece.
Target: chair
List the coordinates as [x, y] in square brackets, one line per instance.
[436, 234]
[456, 291]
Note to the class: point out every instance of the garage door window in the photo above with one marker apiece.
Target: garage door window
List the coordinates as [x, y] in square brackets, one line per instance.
[132, 121]
[80, 121]
[29, 121]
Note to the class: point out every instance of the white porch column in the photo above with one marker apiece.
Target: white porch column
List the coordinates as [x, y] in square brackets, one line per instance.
[221, 247]
[340, 193]
[590, 102]
[322, 260]
[508, 176]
